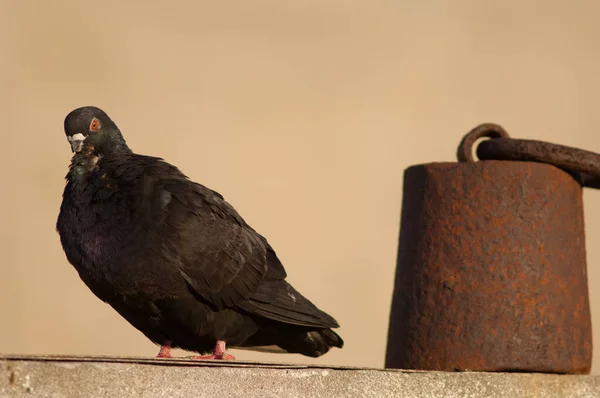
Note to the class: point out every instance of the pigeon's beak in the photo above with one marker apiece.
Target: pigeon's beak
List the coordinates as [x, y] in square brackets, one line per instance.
[76, 141]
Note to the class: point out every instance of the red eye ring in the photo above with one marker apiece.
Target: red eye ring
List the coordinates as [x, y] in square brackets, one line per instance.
[94, 125]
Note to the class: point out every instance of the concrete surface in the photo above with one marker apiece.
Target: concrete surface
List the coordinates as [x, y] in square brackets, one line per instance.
[45, 376]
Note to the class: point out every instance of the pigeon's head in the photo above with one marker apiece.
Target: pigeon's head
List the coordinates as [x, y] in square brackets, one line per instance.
[91, 125]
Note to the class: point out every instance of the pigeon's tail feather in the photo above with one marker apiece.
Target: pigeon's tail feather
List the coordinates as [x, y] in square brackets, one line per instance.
[294, 340]
[313, 344]
[279, 301]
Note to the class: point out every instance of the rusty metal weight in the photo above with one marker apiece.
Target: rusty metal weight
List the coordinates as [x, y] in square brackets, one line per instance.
[491, 271]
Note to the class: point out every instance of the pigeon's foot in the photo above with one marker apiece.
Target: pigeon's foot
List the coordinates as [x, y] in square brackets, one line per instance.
[224, 356]
[218, 353]
[165, 351]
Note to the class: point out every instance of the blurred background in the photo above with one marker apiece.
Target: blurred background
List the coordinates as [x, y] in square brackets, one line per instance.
[303, 114]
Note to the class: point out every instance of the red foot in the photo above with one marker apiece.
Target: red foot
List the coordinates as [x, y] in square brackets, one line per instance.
[218, 353]
[165, 351]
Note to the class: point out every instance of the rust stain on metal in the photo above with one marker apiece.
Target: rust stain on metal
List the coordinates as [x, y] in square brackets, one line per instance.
[491, 271]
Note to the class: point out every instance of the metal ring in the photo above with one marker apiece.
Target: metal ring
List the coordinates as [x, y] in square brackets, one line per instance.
[489, 130]
[567, 158]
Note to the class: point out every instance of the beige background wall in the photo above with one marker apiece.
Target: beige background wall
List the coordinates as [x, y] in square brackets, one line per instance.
[304, 114]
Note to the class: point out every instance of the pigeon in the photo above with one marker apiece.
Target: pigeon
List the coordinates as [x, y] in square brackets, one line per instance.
[173, 258]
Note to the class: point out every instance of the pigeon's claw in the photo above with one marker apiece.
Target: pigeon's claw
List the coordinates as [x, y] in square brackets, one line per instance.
[218, 353]
[224, 357]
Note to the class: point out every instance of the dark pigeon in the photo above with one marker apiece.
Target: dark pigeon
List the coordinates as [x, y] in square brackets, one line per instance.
[173, 257]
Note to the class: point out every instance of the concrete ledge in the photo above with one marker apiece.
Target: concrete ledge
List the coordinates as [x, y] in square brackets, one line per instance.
[57, 376]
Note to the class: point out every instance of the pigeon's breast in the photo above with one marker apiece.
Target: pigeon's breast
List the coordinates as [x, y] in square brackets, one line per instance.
[95, 219]
[108, 217]
[82, 235]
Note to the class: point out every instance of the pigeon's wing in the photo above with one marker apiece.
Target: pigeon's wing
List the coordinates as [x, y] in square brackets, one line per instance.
[221, 258]
[224, 261]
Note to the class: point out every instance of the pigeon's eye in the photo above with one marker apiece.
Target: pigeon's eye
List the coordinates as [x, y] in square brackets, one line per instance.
[94, 125]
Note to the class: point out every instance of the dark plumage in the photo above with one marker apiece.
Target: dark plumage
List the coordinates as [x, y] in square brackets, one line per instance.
[172, 256]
